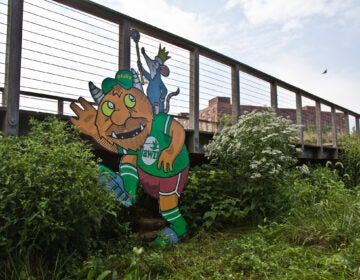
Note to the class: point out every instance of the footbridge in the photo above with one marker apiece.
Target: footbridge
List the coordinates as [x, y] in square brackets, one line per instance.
[50, 49]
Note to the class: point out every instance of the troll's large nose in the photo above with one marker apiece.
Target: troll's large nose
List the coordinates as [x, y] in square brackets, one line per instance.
[120, 115]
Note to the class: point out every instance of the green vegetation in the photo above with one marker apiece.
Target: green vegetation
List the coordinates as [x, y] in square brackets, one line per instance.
[52, 211]
[252, 213]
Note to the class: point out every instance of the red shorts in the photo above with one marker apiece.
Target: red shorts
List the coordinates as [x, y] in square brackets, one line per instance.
[164, 186]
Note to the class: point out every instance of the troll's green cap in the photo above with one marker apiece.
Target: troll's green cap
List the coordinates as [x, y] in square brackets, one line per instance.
[123, 78]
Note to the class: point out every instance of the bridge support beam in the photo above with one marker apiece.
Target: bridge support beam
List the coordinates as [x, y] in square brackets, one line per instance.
[299, 119]
[11, 95]
[347, 123]
[194, 143]
[235, 93]
[273, 97]
[124, 45]
[334, 128]
[318, 124]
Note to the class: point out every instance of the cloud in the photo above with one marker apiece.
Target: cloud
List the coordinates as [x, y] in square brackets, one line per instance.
[230, 4]
[162, 14]
[294, 14]
[260, 11]
[291, 25]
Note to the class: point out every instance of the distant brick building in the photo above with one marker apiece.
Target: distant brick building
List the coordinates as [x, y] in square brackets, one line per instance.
[211, 115]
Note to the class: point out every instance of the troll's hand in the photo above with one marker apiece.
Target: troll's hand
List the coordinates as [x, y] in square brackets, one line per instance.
[167, 158]
[86, 117]
[114, 182]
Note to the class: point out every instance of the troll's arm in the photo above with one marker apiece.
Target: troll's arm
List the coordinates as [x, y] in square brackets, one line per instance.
[167, 156]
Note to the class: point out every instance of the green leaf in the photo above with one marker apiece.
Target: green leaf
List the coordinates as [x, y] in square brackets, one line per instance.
[103, 275]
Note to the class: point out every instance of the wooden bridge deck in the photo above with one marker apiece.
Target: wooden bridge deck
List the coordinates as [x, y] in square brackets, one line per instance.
[309, 152]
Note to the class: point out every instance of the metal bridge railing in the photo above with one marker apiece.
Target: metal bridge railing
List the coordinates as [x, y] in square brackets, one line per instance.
[50, 49]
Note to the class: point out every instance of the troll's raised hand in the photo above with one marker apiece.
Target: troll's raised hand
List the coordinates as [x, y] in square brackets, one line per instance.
[85, 118]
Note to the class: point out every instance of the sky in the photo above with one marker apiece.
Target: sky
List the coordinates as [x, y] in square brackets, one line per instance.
[294, 41]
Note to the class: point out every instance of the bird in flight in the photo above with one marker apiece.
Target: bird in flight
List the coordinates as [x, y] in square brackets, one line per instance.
[325, 71]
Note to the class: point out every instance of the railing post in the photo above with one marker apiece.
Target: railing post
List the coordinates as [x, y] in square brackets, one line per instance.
[235, 93]
[60, 110]
[124, 45]
[334, 128]
[194, 100]
[347, 124]
[318, 124]
[299, 119]
[13, 66]
[273, 92]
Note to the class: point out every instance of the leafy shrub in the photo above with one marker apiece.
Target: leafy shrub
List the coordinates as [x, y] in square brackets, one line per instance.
[323, 211]
[350, 158]
[250, 161]
[261, 255]
[211, 200]
[51, 203]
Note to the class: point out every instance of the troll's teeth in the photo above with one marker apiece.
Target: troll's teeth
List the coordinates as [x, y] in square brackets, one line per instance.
[113, 135]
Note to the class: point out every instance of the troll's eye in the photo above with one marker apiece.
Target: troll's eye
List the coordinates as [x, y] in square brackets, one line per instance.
[130, 101]
[108, 108]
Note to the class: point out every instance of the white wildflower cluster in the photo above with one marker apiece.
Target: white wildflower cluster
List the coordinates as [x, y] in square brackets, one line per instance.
[260, 145]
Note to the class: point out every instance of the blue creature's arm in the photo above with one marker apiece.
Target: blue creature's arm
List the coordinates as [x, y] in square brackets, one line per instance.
[147, 75]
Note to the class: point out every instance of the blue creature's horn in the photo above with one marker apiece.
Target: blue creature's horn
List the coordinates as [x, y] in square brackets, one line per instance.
[96, 93]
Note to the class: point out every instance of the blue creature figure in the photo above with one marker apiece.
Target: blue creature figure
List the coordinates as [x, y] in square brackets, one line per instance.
[156, 90]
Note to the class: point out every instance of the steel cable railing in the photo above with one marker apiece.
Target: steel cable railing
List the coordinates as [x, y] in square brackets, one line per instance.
[66, 45]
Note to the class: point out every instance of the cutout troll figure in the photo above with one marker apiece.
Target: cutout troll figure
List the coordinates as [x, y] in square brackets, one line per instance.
[156, 90]
[152, 147]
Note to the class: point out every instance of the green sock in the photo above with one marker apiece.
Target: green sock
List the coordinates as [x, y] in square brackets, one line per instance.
[177, 221]
[130, 177]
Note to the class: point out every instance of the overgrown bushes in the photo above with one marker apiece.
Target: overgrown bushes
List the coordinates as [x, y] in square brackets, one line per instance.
[323, 211]
[51, 205]
[306, 219]
[244, 183]
[350, 158]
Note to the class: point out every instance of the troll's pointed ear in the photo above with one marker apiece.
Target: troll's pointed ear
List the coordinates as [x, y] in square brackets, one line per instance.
[96, 93]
